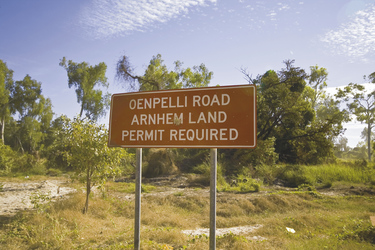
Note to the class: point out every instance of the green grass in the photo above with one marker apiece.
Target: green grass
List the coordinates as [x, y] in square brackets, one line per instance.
[124, 187]
[339, 172]
[325, 174]
[320, 221]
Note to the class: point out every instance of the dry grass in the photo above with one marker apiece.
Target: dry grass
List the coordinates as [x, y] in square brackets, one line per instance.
[320, 221]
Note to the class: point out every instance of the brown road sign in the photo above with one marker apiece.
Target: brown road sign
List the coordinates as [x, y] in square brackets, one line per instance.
[214, 117]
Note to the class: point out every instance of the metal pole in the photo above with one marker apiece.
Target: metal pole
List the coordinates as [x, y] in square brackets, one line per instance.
[138, 183]
[213, 153]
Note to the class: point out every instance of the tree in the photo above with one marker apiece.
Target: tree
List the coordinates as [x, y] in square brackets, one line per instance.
[317, 81]
[342, 144]
[85, 79]
[87, 152]
[33, 112]
[364, 135]
[285, 112]
[158, 77]
[6, 84]
[362, 104]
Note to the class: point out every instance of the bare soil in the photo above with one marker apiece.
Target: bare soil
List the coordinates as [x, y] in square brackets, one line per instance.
[15, 197]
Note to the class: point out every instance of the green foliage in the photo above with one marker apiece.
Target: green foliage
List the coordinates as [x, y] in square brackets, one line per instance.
[317, 80]
[243, 161]
[294, 176]
[362, 105]
[269, 174]
[241, 184]
[124, 187]
[286, 112]
[202, 174]
[188, 158]
[34, 114]
[317, 175]
[86, 150]
[85, 79]
[13, 163]
[7, 158]
[158, 77]
[6, 85]
[159, 162]
[40, 201]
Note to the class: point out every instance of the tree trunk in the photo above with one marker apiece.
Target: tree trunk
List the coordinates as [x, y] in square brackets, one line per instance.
[20, 143]
[369, 141]
[88, 190]
[2, 129]
[80, 113]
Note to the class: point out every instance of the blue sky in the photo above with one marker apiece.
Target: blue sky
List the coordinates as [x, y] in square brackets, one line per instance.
[225, 35]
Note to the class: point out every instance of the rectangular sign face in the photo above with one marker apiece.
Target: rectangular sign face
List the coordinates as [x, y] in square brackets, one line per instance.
[213, 117]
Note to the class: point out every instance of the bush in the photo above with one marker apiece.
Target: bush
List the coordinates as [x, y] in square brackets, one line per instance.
[54, 172]
[27, 164]
[159, 162]
[7, 158]
[295, 175]
[242, 184]
[269, 174]
[240, 161]
[202, 175]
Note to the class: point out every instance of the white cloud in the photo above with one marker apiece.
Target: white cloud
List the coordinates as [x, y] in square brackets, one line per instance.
[108, 18]
[356, 38]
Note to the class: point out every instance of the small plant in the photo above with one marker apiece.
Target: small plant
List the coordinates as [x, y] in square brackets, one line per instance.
[54, 172]
[40, 200]
[304, 187]
[242, 184]
[179, 194]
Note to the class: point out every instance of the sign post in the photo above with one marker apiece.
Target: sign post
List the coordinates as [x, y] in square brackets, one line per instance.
[213, 117]
[213, 198]
[138, 190]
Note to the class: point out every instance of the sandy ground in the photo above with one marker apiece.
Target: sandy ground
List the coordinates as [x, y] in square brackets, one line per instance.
[223, 231]
[15, 197]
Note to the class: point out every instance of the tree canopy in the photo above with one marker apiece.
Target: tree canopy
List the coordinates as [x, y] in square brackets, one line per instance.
[6, 84]
[86, 79]
[286, 112]
[362, 104]
[85, 146]
[297, 121]
[158, 77]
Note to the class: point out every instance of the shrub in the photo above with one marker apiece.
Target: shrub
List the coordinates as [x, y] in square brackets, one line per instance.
[26, 164]
[294, 176]
[239, 161]
[54, 172]
[159, 162]
[7, 156]
[242, 184]
[269, 174]
[203, 174]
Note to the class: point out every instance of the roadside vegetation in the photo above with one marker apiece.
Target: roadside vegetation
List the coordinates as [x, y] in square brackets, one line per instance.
[302, 186]
[320, 220]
